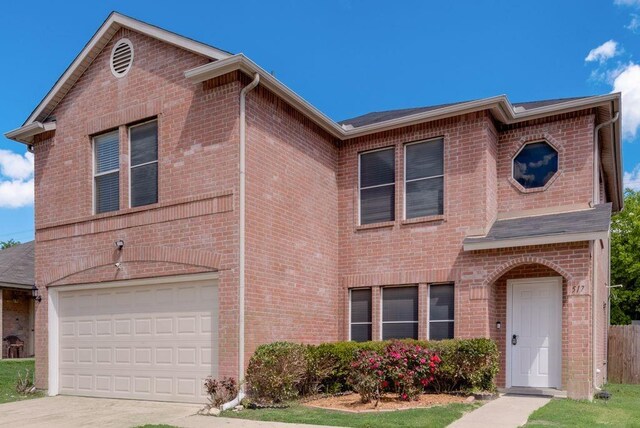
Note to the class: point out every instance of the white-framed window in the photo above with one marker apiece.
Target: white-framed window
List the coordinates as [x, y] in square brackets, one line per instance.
[424, 178]
[143, 152]
[360, 315]
[106, 172]
[441, 311]
[376, 185]
[400, 312]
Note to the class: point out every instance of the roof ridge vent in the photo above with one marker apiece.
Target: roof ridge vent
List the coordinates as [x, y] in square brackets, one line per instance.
[121, 57]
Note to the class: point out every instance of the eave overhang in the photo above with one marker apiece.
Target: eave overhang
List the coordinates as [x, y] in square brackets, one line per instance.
[26, 133]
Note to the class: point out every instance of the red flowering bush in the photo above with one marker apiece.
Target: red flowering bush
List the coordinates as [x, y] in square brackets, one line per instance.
[367, 375]
[410, 368]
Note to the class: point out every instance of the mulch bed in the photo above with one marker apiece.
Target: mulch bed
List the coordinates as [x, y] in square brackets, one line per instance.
[388, 402]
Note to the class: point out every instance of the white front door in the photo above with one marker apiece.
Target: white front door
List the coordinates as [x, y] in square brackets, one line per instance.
[534, 311]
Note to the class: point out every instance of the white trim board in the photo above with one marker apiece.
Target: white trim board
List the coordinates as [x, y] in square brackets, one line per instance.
[536, 240]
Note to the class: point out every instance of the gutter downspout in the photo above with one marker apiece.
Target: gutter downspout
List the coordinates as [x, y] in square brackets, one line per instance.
[595, 200]
[241, 238]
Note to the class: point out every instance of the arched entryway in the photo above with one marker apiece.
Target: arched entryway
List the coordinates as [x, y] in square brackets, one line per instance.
[527, 319]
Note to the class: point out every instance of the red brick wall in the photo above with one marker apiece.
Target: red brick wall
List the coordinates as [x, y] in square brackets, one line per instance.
[193, 228]
[291, 227]
[572, 136]
[601, 311]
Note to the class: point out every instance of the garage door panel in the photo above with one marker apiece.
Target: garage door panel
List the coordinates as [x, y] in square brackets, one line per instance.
[161, 347]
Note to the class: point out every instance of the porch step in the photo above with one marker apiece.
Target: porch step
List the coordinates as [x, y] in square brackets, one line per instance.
[543, 392]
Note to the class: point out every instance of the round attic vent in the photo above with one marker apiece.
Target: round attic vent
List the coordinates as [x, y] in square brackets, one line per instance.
[121, 57]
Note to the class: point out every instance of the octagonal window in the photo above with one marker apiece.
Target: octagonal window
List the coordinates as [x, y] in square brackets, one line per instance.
[535, 164]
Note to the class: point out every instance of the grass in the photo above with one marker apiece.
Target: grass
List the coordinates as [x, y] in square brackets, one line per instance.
[438, 416]
[9, 370]
[621, 410]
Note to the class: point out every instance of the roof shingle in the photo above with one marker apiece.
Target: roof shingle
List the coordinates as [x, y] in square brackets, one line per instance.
[17, 264]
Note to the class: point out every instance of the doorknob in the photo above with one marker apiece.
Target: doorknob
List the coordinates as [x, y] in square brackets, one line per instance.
[514, 339]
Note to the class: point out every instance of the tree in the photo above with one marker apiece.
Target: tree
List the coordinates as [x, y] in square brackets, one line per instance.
[9, 243]
[625, 260]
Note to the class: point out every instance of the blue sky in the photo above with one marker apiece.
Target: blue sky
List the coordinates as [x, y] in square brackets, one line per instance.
[346, 57]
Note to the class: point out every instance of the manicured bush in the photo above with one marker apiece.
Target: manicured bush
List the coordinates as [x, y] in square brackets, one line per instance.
[367, 375]
[341, 355]
[468, 365]
[283, 371]
[276, 372]
[410, 368]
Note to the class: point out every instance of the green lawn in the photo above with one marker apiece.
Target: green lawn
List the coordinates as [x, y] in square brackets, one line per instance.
[621, 410]
[439, 416]
[9, 374]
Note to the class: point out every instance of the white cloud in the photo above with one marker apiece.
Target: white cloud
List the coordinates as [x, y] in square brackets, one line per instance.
[634, 24]
[16, 193]
[16, 166]
[603, 52]
[627, 2]
[628, 83]
[16, 179]
[631, 179]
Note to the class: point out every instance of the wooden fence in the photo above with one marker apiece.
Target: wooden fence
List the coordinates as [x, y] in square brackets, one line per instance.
[624, 354]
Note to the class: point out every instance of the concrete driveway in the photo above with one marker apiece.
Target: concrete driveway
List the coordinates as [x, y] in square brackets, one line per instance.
[72, 412]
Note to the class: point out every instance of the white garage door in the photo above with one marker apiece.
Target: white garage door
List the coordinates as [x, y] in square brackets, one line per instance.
[151, 342]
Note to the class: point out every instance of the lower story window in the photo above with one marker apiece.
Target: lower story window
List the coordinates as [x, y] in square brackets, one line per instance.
[400, 313]
[360, 315]
[441, 310]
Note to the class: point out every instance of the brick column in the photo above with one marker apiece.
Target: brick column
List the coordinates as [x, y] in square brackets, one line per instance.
[376, 309]
[578, 364]
[423, 311]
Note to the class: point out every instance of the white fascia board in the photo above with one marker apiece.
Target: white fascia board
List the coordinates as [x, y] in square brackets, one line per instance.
[169, 37]
[244, 64]
[500, 106]
[537, 240]
[117, 20]
[26, 133]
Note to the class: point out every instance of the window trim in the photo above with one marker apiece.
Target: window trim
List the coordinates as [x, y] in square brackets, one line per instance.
[395, 179]
[94, 206]
[360, 323]
[437, 284]
[383, 322]
[405, 181]
[520, 187]
[131, 167]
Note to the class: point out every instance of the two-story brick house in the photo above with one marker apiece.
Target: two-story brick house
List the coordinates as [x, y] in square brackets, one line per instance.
[189, 207]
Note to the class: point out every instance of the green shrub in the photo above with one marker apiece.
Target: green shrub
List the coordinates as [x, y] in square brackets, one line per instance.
[283, 371]
[341, 354]
[469, 365]
[276, 372]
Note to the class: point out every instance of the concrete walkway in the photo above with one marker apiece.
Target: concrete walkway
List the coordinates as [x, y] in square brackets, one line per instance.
[507, 411]
[80, 412]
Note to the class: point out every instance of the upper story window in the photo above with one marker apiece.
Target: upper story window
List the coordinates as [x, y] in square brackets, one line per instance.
[377, 186]
[106, 150]
[424, 178]
[144, 163]
[535, 164]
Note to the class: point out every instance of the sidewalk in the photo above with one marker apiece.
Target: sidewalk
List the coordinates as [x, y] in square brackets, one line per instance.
[507, 411]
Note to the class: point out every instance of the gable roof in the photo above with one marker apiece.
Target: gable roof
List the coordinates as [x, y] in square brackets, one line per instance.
[114, 22]
[17, 265]
[608, 106]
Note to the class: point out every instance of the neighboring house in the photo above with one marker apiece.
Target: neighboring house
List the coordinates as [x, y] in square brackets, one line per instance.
[16, 301]
[189, 205]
